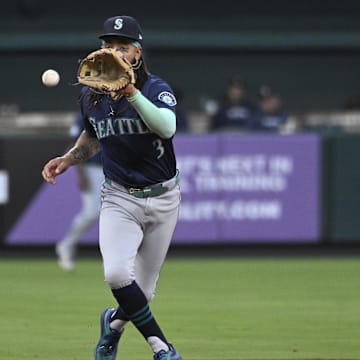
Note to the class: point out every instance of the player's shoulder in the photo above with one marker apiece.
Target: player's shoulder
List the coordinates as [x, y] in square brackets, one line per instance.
[157, 81]
[159, 90]
[84, 94]
[84, 90]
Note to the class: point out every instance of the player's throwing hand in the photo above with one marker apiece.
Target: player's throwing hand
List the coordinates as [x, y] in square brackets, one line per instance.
[54, 168]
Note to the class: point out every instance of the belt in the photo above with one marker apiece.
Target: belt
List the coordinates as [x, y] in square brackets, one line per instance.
[149, 191]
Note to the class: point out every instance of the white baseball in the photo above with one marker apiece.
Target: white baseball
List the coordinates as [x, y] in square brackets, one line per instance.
[50, 78]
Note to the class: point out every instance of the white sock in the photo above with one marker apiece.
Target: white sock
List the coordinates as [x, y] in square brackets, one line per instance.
[157, 344]
[118, 324]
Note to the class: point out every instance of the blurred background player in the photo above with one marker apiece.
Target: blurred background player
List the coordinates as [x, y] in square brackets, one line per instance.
[235, 111]
[90, 178]
[270, 115]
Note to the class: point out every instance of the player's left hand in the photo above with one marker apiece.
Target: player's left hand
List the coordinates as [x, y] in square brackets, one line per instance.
[106, 70]
[128, 91]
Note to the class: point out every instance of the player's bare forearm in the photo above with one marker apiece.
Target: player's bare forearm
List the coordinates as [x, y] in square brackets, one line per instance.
[85, 147]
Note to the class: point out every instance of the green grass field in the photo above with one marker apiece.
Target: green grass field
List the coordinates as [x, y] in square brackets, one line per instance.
[211, 309]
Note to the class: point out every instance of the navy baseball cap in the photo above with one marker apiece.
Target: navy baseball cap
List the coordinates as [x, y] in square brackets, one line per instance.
[123, 27]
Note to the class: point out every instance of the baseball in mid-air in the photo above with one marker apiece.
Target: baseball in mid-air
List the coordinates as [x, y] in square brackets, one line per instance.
[50, 78]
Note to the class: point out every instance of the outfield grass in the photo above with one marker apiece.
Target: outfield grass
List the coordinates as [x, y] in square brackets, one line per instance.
[211, 309]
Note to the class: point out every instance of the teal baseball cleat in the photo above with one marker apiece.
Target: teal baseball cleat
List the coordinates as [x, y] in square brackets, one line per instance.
[171, 354]
[106, 348]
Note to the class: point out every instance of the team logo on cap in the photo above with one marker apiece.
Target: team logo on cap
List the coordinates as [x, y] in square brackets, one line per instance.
[167, 98]
[118, 24]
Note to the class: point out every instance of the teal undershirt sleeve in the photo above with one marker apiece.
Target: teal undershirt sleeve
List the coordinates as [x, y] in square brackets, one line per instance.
[161, 121]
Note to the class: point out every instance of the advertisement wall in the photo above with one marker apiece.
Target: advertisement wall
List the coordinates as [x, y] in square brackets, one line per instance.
[235, 189]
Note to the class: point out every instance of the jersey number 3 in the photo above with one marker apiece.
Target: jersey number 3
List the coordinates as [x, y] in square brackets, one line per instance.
[159, 147]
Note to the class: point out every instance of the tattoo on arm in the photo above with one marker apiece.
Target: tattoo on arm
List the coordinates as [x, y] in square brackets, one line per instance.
[80, 153]
[84, 150]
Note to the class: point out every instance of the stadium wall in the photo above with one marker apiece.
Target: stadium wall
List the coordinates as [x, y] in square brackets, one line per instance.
[310, 54]
[299, 189]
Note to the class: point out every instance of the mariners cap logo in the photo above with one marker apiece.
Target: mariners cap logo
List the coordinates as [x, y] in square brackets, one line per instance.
[118, 23]
[122, 26]
[167, 98]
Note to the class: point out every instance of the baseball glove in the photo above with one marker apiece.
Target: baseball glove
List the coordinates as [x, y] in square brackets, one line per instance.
[105, 71]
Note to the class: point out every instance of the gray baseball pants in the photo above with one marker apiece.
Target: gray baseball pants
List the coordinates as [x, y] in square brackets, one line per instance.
[135, 234]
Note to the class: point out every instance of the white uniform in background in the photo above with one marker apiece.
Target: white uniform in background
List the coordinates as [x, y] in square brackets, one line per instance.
[90, 178]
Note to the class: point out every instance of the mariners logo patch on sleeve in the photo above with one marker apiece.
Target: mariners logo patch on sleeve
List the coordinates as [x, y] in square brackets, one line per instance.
[167, 98]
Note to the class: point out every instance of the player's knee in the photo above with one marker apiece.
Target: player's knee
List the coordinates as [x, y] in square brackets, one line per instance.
[118, 276]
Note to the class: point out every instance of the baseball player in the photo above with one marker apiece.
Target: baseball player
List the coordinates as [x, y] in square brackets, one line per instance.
[134, 128]
[90, 178]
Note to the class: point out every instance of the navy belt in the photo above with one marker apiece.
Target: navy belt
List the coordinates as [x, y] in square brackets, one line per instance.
[149, 191]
